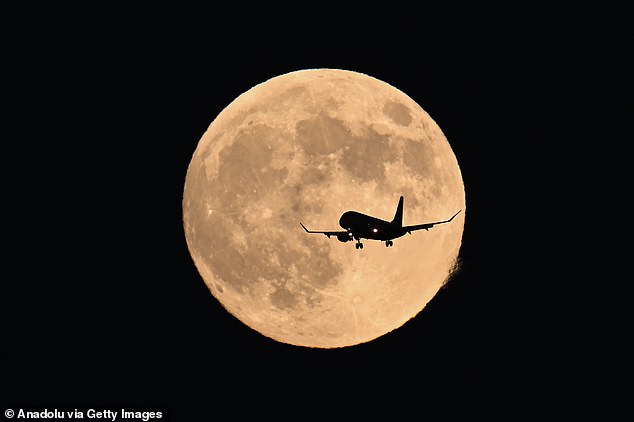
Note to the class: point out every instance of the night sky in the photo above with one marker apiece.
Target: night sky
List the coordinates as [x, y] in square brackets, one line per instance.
[101, 304]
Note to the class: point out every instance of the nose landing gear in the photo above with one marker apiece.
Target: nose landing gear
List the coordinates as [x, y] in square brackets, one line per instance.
[358, 245]
[388, 243]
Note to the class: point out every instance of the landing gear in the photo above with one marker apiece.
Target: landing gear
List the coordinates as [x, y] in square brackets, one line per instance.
[388, 243]
[358, 245]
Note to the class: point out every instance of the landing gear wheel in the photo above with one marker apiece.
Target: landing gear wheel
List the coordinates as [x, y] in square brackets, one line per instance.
[388, 243]
[358, 245]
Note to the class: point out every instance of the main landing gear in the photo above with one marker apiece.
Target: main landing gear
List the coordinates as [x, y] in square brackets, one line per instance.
[359, 245]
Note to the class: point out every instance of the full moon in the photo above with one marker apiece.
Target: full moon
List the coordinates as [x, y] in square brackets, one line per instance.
[307, 146]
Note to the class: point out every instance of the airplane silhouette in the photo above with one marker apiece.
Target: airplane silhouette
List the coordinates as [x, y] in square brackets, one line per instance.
[360, 226]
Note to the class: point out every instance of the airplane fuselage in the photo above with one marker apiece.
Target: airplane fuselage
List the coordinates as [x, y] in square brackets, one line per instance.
[367, 227]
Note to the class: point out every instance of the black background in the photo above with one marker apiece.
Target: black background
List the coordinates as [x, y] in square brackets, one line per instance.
[103, 306]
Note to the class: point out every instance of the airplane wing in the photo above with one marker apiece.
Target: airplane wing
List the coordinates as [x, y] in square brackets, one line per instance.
[322, 232]
[427, 226]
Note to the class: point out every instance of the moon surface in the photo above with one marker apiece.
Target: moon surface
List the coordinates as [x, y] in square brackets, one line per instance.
[307, 146]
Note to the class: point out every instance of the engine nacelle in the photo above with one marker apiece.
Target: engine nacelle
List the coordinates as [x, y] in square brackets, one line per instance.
[344, 237]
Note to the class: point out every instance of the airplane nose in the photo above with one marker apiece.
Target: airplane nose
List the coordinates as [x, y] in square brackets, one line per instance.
[343, 221]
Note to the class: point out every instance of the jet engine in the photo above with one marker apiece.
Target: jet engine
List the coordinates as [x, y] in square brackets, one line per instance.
[344, 237]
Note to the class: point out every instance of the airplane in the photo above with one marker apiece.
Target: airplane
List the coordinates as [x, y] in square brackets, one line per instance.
[360, 226]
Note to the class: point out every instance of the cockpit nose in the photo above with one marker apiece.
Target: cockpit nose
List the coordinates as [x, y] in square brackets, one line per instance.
[345, 220]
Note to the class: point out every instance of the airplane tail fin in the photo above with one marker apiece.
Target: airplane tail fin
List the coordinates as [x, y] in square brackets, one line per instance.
[398, 216]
